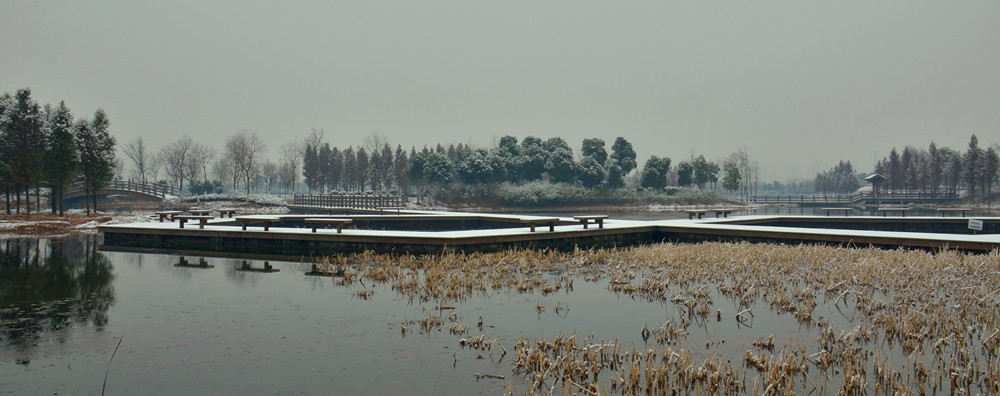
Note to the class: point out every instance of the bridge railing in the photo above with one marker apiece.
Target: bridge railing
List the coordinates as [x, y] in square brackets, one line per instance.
[804, 198]
[861, 196]
[154, 189]
[357, 201]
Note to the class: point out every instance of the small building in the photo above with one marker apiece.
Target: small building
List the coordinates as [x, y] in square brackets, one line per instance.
[876, 181]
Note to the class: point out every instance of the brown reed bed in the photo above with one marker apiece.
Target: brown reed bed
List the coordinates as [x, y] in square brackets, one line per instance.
[880, 321]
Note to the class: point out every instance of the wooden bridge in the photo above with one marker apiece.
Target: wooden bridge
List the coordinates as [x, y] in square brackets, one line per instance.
[858, 198]
[355, 201]
[132, 189]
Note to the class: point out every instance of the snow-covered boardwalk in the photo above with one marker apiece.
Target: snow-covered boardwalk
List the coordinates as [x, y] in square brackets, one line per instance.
[290, 236]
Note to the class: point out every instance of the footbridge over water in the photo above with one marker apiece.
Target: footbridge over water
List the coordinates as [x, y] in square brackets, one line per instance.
[128, 190]
[858, 198]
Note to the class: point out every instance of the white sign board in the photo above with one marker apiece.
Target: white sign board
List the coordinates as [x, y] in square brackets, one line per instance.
[975, 224]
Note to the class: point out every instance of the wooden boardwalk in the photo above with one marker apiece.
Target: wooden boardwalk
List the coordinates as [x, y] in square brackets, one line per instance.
[292, 238]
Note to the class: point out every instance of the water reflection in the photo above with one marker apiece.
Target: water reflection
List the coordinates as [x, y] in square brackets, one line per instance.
[50, 287]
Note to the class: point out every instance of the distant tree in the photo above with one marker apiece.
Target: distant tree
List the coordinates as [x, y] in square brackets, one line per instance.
[270, 173]
[363, 169]
[594, 148]
[399, 163]
[384, 168]
[731, 176]
[654, 172]
[246, 150]
[22, 138]
[438, 169]
[614, 176]
[990, 165]
[591, 173]
[559, 165]
[350, 176]
[624, 155]
[508, 146]
[61, 156]
[221, 169]
[531, 163]
[415, 170]
[97, 154]
[137, 151]
[310, 167]
[291, 156]
[323, 161]
[175, 157]
[480, 167]
[704, 171]
[895, 169]
[952, 168]
[972, 174]
[336, 177]
[934, 170]
[685, 174]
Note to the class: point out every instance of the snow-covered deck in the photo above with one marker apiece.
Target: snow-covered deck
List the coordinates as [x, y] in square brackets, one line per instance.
[225, 236]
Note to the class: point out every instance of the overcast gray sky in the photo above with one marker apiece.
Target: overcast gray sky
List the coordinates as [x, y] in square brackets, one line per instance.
[801, 84]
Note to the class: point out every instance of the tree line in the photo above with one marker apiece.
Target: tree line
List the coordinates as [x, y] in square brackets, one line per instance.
[932, 170]
[377, 166]
[45, 147]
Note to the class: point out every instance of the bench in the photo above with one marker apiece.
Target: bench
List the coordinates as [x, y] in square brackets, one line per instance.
[846, 211]
[723, 211]
[954, 210]
[201, 212]
[902, 211]
[693, 213]
[202, 220]
[549, 221]
[316, 221]
[267, 220]
[585, 220]
[384, 209]
[163, 214]
[227, 212]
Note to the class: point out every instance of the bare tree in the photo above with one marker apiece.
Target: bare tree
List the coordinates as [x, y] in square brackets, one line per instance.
[153, 165]
[222, 169]
[175, 158]
[315, 138]
[291, 155]
[136, 151]
[199, 157]
[245, 149]
[270, 173]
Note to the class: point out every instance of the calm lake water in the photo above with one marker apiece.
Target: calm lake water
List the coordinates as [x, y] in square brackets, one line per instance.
[191, 325]
[185, 329]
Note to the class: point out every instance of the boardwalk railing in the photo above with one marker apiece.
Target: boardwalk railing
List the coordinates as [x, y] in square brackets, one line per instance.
[153, 189]
[858, 197]
[360, 201]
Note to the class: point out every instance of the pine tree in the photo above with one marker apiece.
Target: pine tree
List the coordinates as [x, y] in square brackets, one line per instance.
[61, 156]
[97, 154]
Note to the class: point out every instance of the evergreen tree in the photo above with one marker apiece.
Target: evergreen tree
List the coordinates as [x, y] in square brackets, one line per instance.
[61, 157]
[654, 172]
[532, 161]
[624, 155]
[594, 148]
[934, 170]
[972, 174]
[335, 178]
[685, 174]
[310, 168]
[22, 139]
[591, 172]
[614, 176]
[731, 176]
[97, 154]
